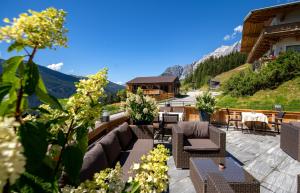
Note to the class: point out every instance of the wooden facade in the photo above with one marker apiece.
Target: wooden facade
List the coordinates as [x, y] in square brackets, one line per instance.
[266, 27]
[158, 87]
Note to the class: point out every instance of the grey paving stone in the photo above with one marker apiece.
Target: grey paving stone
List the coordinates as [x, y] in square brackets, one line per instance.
[262, 157]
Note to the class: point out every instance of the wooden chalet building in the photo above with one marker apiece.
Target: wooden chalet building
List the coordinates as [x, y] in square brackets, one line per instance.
[269, 31]
[159, 87]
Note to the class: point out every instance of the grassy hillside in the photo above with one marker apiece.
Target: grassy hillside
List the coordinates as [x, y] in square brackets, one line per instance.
[287, 94]
[226, 75]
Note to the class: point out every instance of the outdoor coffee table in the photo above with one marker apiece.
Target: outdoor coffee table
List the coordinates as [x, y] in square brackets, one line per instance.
[239, 179]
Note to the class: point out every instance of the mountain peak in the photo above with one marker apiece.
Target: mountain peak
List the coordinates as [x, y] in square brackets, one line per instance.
[182, 70]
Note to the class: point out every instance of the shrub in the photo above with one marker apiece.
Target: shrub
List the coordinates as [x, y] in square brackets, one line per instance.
[271, 75]
[140, 108]
[206, 103]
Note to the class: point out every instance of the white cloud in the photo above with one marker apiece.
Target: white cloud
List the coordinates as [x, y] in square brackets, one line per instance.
[120, 83]
[238, 29]
[227, 37]
[55, 67]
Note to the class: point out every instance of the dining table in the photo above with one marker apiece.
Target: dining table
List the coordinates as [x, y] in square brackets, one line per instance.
[254, 117]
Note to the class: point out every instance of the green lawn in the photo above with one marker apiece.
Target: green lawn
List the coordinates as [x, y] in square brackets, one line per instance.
[113, 108]
[287, 94]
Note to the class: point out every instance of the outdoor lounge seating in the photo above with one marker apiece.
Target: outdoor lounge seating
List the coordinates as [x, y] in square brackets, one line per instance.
[290, 139]
[125, 144]
[196, 139]
[217, 184]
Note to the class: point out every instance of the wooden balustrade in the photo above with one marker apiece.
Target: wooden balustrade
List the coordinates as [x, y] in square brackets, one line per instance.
[103, 128]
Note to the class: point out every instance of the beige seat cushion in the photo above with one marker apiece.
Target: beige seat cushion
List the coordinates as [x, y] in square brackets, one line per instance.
[200, 145]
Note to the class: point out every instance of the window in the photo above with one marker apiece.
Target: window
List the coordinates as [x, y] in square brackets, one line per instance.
[293, 47]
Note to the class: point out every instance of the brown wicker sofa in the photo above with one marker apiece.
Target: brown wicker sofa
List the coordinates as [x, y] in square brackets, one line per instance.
[196, 139]
[290, 139]
[125, 144]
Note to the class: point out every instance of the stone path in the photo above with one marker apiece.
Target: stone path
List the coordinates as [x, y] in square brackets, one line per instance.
[261, 156]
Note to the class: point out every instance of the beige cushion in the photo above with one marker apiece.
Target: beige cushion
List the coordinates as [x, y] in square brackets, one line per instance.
[194, 129]
[200, 145]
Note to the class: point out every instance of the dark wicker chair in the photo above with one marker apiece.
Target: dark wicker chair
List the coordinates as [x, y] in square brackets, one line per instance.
[168, 121]
[236, 118]
[217, 184]
[290, 139]
[187, 143]
[278, 121]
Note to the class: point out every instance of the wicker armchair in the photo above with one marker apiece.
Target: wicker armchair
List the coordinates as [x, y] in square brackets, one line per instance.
[187, 143]
[290, 139]
[217, 184]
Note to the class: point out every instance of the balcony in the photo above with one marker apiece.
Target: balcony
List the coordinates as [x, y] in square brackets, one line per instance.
[271, 35]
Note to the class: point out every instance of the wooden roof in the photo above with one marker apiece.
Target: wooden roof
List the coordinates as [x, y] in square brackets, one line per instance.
[153, 79]
[257, 19]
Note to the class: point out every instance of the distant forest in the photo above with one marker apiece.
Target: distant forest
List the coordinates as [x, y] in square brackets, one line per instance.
[212, 67]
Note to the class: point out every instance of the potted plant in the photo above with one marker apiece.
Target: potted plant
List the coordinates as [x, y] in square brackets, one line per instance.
[141, 110]
[206, 105]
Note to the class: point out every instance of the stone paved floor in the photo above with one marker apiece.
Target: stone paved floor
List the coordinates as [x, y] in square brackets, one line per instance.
[261, 156]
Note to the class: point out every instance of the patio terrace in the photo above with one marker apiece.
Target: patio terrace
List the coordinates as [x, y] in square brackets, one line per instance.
[259, 154]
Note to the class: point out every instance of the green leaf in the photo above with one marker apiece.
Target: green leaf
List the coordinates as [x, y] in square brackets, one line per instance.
[32, 76]
[8, 106]
[4, 89]
[82, 137]
[16, 46]
[72, 160]
[29, 183]
[10, 67]
[61, 139]
[33, 136]
[47, 98]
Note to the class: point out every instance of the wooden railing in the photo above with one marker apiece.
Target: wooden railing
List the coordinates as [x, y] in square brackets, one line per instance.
[103, 128]
[192, 114]
[282, 28]
[152, 91]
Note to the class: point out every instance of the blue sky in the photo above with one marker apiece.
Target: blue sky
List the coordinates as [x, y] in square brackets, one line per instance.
[137, 37]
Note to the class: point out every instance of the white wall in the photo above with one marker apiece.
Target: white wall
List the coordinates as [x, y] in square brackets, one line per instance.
[281, 45]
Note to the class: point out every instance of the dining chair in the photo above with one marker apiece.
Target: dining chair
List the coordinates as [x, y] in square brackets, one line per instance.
[278, 121]
[235, 117]
[168, 122]
[179, 110]
[165, 109]
[157, 125]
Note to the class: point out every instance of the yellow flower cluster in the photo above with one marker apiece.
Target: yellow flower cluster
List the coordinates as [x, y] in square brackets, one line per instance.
[12, 160]
[106, 181]
[83, 106]
[152, 172]
[40, 30]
